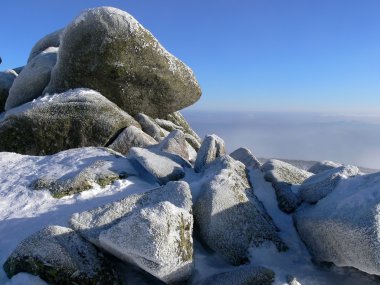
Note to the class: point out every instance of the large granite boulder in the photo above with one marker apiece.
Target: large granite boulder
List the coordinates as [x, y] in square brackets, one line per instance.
[152, 230]
[280, 171]
[212, 147]
[76, 118]
[344, 227]
[60, 256]
[33, 79]
[107, 50]
[320, 185]
[50, 40]
[229, 216]
[6, 80]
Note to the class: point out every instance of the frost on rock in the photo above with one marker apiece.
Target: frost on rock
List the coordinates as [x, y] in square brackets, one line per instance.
[163, 168]
[243, 275]
[179, 120]
[229, 216]
[149, 126]
[60, 256]
[246, 157]
[49, 124]
[160, 241]
[323, 165]
[287, 200]
[51, 40]
[131, 137]
[344, 227]
[168, 125]
[175, 143]
[279, 171]
[212, 147]
[320, 185]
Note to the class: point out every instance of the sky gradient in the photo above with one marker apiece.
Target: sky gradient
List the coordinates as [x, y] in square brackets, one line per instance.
[265, 55]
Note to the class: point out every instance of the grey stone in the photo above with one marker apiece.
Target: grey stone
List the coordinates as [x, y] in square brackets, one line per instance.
[149, 126]
[211, 148]
[32, 80]
[245, 156]
[59, 256]
[322, 166]
[76, 118]
[287, 200]
[152, 230]
[18, 69]
[322, 184]
[50, 40]
[180, 121]
[131, 137]
[229, 216]
[279, 171]
[107, 50]
[175, 143]
[6, 80]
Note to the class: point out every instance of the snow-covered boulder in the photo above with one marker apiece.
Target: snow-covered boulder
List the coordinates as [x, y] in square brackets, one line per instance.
[6, 80]
[179, 120]
[131, 137]
[60, 256]
[167, 125]
[246, 157]
[76, 118]
[107, 50]
[243, 275]
[229, 216]
[320, 185]
[344, 227]
[161, 166]
[322, 166]
[151, 230]
[279, 171]
[33, 79]
[175, 143]
[149, 126]
[287, 200]
[212, 147]
[50, 40]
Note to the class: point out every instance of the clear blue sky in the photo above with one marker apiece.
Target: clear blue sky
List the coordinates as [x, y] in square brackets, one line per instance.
[293, 55]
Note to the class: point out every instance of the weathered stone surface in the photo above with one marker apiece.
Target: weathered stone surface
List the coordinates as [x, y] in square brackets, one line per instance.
[77, 118]
[149, 126]
[243, 275]
[6, 80]
[167, 125]
[50, 40]
[33, 79]
[131, 137]
[323, 165]
[287, 200]
[175, 143]
[152, 230]
[59, 256]
[162, 168]
[246, 157]
[279, 171]
[344, 227]
[212, 147]
[107, 50]
[229, 216]
[322, 184]
[179, 120]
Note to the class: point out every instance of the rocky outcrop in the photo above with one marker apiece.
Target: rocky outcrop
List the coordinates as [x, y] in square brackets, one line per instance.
[322, 166]
[320, 185]
[246, 157]
[124, 62]
[152, 230]
[175, 143]
[177, 119]
[50, 40]
[287, 200]
[33, 79]
[60, 256]
[76, 118]
[131, 137]
[229, 216]
[149, 126]
[6, 81]
[279, 171]
[212, 147]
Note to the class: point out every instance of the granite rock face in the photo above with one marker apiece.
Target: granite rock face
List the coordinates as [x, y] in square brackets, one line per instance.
[279, 171]
[322, 166]
[246, 157]
[50, 40]
[212, 147]
[107, 50]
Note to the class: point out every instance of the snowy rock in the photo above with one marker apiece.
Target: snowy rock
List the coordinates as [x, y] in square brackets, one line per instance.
[246, 157]
[212, 147]
[105, 167]
[50, 40]
[287, 200]
[60, 256]
[180, 121]
[152, 230]
[279, 171]
[320, 185]
[344, 228]
[107, 50]
[149, 126]
[6, 81]
[33, 79]
[175, 143]
[243, 275]
[195, 144]
[76, 118]
[168, 125]
[323, 165]
[131, 137]
[161, 167]
[229, 216]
